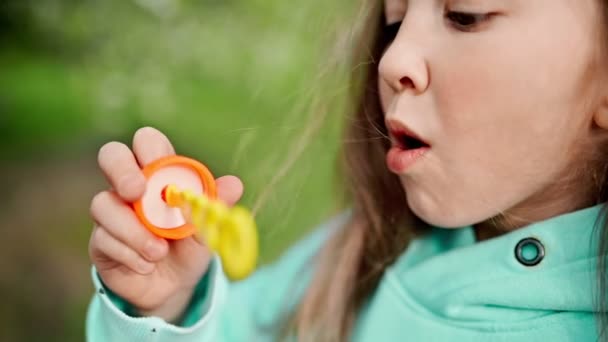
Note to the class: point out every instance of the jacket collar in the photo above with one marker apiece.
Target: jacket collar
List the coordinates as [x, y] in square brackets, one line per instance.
[452, 275]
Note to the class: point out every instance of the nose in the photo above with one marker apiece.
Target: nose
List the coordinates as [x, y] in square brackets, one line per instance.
[403, 65]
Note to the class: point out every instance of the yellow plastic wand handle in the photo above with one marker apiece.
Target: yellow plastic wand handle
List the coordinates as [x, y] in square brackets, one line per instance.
[230, 232]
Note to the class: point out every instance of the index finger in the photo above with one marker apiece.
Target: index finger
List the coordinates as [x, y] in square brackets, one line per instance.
[121, 170]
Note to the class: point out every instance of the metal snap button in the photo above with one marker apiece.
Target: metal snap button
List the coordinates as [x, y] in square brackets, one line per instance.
[529, 251]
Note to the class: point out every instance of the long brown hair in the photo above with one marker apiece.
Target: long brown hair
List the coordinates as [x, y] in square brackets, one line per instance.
[352, 262]
[380, 226]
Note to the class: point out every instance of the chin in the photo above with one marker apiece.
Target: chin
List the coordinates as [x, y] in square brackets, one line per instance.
[442, 215]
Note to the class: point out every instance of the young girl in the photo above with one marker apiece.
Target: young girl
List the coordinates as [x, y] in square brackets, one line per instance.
[479, 218]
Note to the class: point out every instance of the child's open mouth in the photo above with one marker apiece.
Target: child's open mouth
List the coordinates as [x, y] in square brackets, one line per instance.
[407, 147]
[407, 142]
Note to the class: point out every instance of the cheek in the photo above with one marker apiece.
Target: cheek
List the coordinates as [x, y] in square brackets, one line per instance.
[506, 123]
[516, 105]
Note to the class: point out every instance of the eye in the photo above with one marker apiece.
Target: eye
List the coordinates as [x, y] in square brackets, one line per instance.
[466, 22]
[389, 33]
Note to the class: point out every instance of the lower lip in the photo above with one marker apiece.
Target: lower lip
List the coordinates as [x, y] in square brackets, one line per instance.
[399, 160]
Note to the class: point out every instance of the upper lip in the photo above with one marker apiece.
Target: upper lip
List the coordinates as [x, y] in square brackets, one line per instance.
[398, 129]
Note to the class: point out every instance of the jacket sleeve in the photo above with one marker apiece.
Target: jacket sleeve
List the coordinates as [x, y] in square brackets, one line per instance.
[220, 311]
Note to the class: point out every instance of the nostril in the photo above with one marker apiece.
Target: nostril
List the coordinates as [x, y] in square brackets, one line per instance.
[406, 82]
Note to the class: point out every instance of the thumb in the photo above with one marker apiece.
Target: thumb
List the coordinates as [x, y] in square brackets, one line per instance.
[229, 189]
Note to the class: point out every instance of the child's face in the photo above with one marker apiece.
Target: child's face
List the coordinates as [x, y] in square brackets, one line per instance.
[502, 99]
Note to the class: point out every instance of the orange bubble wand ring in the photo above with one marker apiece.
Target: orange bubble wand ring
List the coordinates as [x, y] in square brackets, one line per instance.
[181, 200]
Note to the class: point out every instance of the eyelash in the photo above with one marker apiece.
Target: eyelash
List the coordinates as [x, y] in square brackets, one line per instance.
[461, 21]
[457, 18]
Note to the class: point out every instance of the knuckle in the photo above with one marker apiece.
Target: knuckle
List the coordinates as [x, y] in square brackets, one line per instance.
[98, 202]
[96, 240]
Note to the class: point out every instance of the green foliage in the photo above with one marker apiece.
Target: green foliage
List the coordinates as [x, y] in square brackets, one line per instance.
[230, 82]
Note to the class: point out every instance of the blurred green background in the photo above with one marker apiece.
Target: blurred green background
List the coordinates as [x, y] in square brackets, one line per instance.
[232, 83]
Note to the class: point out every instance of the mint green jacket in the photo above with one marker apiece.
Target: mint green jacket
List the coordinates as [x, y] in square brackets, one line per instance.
[532, 284]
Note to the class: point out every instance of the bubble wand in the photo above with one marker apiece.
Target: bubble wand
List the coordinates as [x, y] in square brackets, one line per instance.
[181, 200]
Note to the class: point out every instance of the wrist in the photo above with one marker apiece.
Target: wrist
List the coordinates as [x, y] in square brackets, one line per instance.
[173, 309]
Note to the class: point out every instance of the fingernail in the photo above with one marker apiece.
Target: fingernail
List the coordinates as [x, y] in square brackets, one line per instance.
[144, 266]
[153, 249]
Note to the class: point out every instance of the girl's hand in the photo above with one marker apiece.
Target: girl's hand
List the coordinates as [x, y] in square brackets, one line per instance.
[156, 276]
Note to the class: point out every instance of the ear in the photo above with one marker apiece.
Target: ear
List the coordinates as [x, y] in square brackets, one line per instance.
[600, 116]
